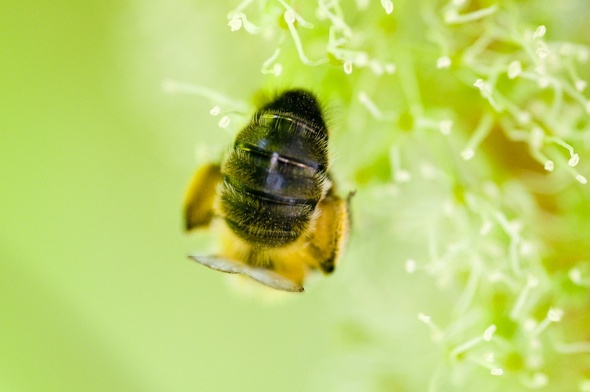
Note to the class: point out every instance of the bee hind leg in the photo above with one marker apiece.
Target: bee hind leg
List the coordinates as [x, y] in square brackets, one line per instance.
[200, 196]
[330, 235]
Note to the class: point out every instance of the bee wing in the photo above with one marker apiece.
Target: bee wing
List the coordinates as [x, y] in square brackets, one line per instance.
[219, 264]
[261, 275]
[272, 279]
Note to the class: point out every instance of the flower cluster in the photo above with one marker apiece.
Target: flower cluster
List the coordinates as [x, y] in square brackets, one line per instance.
[465, 127]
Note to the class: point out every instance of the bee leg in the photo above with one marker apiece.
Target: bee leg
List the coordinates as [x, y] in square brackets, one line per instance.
[200, 196]
[331, 232]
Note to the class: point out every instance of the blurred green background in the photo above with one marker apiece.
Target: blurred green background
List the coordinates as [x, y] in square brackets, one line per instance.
[96, 292]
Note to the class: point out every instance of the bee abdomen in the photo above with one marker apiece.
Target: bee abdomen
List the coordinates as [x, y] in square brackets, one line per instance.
[263, 217]
[269, 198]
[275, 175]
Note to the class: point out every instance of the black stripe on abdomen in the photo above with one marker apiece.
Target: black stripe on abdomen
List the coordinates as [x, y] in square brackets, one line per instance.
[262, 217]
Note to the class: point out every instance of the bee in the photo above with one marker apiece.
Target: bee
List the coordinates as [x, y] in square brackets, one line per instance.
[273, 197]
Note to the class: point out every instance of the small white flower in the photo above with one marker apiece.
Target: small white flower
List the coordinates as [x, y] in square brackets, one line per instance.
[539, 32]
[443, 62]
[387, 5]
[224, 122]
[514, 69]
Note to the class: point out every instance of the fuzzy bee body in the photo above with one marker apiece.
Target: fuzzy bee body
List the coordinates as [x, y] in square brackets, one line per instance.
[274, 196]
[277, 168]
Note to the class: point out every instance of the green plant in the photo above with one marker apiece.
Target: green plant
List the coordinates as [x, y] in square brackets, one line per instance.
[464, 126]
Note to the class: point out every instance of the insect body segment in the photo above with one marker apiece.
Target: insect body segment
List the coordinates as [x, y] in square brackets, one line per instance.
[277, 167]
[274, 195]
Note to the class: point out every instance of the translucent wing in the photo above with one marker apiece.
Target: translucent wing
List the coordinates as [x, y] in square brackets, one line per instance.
[262, 275]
